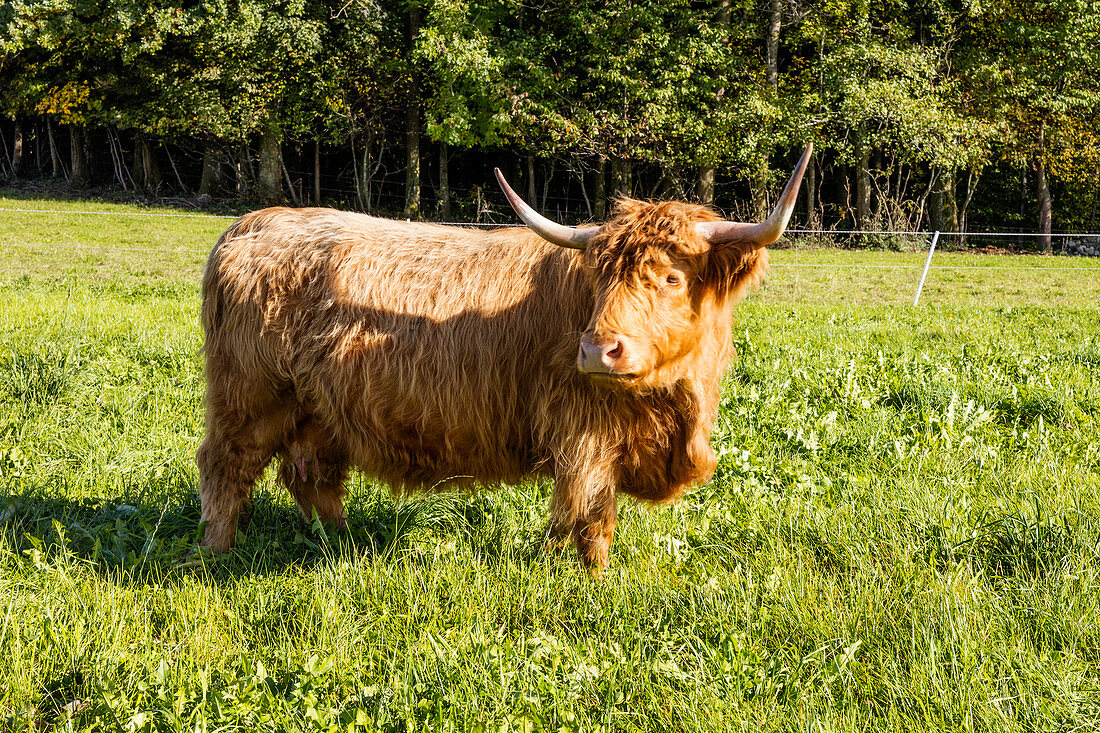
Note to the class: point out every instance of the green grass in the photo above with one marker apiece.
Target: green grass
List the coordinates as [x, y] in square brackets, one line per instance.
[903, 532]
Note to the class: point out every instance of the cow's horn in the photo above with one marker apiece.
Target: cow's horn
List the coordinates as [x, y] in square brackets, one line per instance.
[767, 231]
[559, 234]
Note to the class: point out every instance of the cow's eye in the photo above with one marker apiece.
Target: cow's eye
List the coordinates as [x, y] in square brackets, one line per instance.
[672, 279]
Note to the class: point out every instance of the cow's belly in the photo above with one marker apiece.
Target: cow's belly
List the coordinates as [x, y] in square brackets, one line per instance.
[415, 437]
[415, 456]
[419, 403]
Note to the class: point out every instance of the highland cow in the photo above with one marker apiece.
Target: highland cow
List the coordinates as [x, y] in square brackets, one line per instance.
[431, 356]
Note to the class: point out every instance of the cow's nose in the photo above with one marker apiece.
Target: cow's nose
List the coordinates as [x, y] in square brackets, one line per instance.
[600, 354]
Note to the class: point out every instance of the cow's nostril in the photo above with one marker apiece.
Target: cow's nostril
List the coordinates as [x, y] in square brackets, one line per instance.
[601, 355]
[590, 350]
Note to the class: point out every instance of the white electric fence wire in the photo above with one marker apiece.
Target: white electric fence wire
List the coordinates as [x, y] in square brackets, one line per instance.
[800, 265]
[155, 214]
[937, 267]
[484, 223]
[953, 234]
[151, 214]
[103, 247]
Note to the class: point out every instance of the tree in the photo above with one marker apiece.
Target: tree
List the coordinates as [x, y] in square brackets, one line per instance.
[465, 102]
[880, 89]
[1036, 66]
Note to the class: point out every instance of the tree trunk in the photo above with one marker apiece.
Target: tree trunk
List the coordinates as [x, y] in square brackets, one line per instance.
[55, 156]
[176, 172]
[774, 20]
[317, 172]
[621, 183]
[600, 194]
[707, 171]
[1044, 204]
[117, 163]
[412, 130]
[923, 202]
[36, 145]
[811, 190]
[666, 187]
[412, 164]
[950, 203]
[879, 172]
[152, 165]
[147, 164]
[971, 186]
[290, 187]
[365, 173]
[444, 182]
[578, 171]
[758, 186]
[137, 167]
[1023, 191]
[705, 191]
[531, 180]
[211, 165]
[17, 149]
[78, 155]
[935, 202]
[1044, 190]
[863, 185]
[242, 166]
[7, 151]
[1095, 199]
[546, 184]
[271, 173]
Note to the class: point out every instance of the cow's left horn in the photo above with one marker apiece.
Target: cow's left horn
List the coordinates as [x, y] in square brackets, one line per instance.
[559, 234]
[767, 231]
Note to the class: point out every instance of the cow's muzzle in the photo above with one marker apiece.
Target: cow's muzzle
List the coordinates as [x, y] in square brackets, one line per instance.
[604, 355]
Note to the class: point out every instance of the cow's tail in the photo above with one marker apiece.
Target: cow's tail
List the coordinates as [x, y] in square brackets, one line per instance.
[213, 285]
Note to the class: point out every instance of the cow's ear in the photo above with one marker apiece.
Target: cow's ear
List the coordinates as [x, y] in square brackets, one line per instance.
[733, 269]
[737, 248]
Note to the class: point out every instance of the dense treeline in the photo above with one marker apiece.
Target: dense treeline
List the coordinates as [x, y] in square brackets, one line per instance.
[944, 114]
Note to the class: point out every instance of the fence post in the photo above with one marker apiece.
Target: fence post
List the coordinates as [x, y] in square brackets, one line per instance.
[927, 262]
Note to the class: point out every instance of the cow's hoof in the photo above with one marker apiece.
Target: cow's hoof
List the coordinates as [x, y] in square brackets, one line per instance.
[594, 556]
[554, 540]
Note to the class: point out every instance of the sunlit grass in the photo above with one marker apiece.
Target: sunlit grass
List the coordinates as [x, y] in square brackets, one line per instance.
[903, 533]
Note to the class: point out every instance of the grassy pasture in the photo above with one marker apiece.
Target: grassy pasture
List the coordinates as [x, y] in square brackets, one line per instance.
[903, 532]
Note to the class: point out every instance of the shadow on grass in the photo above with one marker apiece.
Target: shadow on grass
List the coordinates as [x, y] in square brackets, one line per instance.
[1009, 546]
[145, 541]
[1022, 409]
[301, 695]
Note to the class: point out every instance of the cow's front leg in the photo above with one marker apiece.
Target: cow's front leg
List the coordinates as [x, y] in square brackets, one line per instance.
[585, 509]
[593, 533]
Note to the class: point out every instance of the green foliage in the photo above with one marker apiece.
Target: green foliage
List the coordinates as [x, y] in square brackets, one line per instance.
[458, 43]
[931, 88]
[210, 68]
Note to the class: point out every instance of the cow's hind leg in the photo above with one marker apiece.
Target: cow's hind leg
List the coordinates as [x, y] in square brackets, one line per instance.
[228, 467]
[243, 427]
[313, 468]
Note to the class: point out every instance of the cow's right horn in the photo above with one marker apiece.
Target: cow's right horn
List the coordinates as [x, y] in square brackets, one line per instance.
[559, 234]
[767, 231]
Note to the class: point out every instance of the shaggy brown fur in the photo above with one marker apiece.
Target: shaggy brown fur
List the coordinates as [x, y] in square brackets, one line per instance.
[430, 356]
